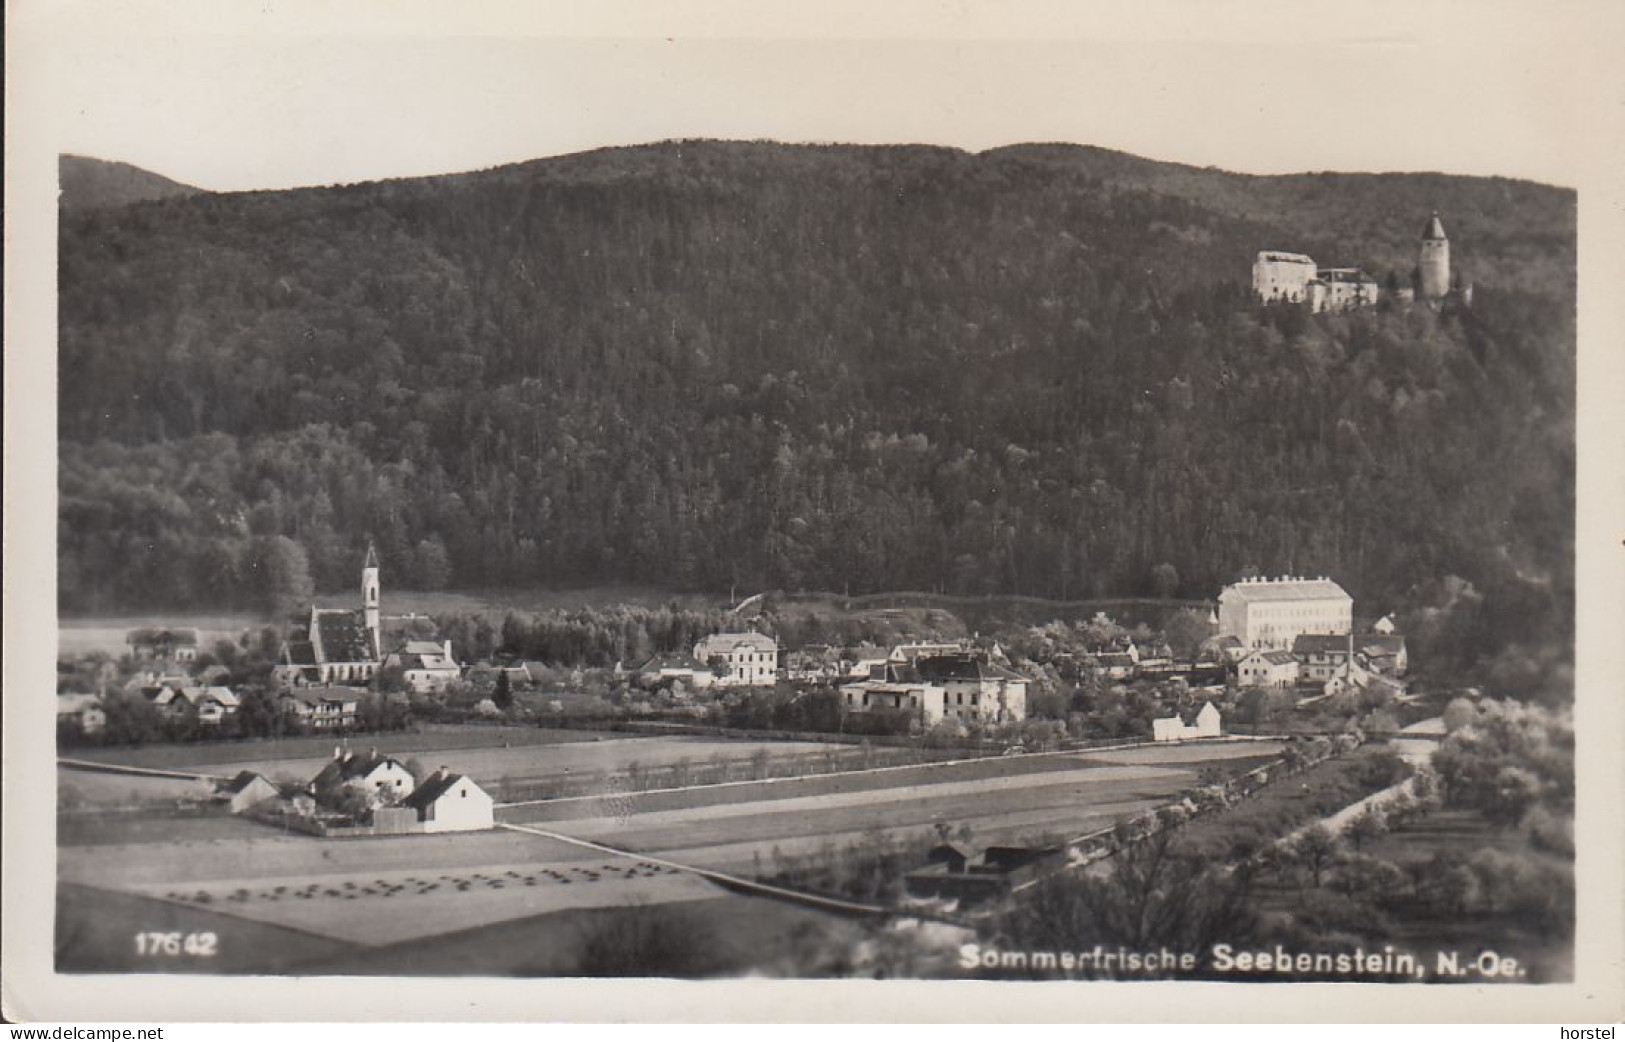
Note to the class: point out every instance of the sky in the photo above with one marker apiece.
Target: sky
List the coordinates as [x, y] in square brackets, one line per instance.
[275, 94]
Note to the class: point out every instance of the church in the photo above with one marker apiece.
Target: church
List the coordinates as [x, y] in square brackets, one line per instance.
[337, 645]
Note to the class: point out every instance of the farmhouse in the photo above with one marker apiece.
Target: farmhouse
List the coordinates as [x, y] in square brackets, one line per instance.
[740, 659]
[661, 668]
[1268, 669]
[1384, 653]
[427, 665]
[1271, 613]
[383, 779]
[248, 790]
[82, 711]
[324, 708]
[178, 645]
[1321, 656]
[447, 802]
[1207, 724]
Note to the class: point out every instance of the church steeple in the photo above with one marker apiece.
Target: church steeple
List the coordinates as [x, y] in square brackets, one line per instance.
[369, 599]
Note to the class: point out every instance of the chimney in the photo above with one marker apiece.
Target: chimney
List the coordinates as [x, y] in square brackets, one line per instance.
[448, 652]
[338, 753]
[442, 774]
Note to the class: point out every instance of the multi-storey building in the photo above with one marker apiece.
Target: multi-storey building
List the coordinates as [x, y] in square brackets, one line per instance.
[1272, 613]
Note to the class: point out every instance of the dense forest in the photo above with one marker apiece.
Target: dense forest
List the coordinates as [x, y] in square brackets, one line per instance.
[701, 365]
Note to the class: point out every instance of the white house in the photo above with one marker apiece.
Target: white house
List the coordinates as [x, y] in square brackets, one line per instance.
[1208, 724]
[974, 687]
[247, 790]
[447, 802]
[1268, 669]
[427, 665]
[1272, 613]
[83, 710]
[384, 779]
[1321, 656]
[740, 659]
[661, 668]
[323, 708]
[898, 695]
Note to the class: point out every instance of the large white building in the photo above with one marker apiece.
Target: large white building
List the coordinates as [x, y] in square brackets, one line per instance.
[1295, 278]
[1272, 613]
[740, 659]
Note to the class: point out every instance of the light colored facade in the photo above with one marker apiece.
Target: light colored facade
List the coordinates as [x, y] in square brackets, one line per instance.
[85, 711]
[1282, 276]
[447, 802]
[1268, 669]
[740, 659]
[339, 645]
[974, 688]
[1272, 613]
[426, 664]
[1433, 260]
[901, 696]
[1338, 289]
[383, 779]
[323, 708]
[1321, 656]
[1208, 724]
[1294, 278]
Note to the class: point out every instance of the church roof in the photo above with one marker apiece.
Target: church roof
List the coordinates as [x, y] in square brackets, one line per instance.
[372, 557]
[1434, 230]
[341, 636]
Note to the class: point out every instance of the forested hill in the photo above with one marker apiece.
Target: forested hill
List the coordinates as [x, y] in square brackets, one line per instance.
[89, 184]
[1033, 370]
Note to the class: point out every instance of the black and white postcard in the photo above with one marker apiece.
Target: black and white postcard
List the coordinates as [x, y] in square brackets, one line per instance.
[1054, 497]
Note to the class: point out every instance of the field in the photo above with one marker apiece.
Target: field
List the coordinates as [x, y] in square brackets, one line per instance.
[105, 633]
[390, 894]
[256, 753]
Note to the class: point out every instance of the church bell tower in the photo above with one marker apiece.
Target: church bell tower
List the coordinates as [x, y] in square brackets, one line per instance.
[369, 599]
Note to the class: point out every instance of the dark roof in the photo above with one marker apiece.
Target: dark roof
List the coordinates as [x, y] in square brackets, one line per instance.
[343, 636]
[316, 694]
[673, 660]
[432, 789]
[299, 653]
[243, 780]
[1320, 643]
[960, 667]
[161, 636]
[1276, 658]
[899, 673]
[354, 765]
[1382, 644]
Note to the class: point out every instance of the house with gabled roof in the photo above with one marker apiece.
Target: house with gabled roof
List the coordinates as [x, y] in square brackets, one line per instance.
[426, 664]
[383, 779]
[1206, 723]
[448, 802]
[1268, 669]
[323, 707]
[974, 687]
[659, 669]
[247, 790]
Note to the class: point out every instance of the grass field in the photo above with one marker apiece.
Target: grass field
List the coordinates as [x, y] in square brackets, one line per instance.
[260, 751]
[385, 893]
[85, 635]
[96, 933]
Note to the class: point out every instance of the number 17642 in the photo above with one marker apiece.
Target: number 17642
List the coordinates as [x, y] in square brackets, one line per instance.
[151, 942]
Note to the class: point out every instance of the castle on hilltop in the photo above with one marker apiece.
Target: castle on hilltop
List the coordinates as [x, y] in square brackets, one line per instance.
[1295, 278]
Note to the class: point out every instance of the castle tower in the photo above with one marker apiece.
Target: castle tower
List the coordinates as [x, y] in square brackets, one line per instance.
[1433, 260]
[369, 598]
